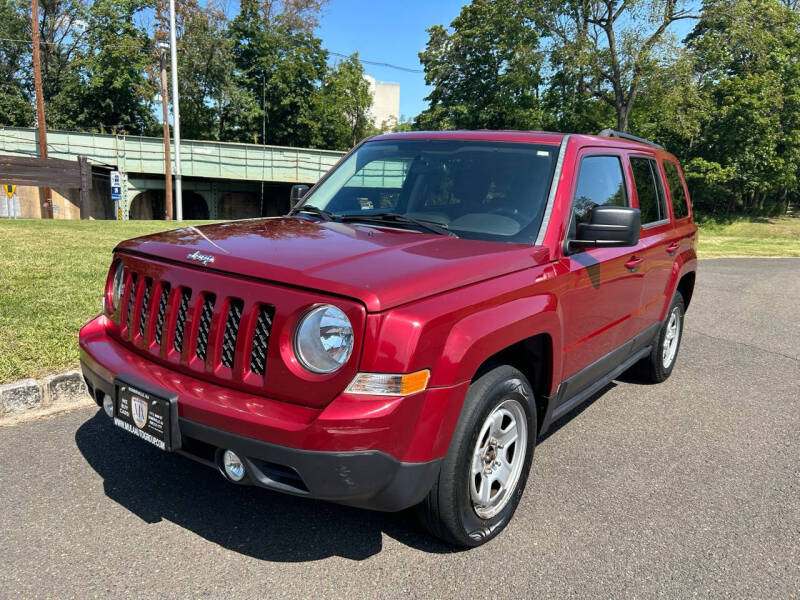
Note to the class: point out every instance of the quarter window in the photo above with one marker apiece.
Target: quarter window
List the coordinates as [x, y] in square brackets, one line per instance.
[600, 182]
[649, 189]
[679, 201]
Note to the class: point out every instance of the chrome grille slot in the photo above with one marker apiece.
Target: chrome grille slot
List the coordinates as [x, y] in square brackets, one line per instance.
[180, 321]
[148, 284]
[204, 326]
[131, 301]
[162, 311]
[258, 354]
[231, 333]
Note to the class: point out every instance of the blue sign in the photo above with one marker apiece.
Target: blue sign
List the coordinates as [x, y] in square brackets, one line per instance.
[116, 185]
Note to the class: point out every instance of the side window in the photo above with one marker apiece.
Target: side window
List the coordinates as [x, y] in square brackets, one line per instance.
[649, 189]
[600, 182]
[676, 191]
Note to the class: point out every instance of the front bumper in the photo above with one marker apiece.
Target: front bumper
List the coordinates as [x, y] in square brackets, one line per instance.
[377, 453]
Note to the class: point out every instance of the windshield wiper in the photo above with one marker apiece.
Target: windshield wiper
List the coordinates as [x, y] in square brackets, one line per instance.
[433, 226]
[321, 213]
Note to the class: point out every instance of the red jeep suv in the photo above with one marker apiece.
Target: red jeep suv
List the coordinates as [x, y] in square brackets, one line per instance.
[403, 336]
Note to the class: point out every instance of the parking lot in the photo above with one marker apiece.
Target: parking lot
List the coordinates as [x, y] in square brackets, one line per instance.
[688, 488]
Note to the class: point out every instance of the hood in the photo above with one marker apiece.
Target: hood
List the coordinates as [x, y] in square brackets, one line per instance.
[379, 266]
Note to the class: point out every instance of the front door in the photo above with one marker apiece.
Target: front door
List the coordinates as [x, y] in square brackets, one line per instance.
[603, 286]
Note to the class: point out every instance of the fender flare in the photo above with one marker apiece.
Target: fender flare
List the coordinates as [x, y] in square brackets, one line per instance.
[480, 335]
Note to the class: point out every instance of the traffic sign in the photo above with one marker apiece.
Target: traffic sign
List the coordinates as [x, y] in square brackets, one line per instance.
[116, 186]
[10, 190]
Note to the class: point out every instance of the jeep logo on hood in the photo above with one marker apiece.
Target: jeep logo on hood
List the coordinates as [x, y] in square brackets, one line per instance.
[200, 257]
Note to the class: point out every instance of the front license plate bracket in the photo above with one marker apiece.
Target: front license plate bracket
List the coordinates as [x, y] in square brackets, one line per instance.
[148, 412]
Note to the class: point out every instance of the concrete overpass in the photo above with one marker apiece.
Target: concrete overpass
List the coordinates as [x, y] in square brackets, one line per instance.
[220, 179]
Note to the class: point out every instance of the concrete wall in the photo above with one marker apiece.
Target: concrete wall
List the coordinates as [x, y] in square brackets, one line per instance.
[385, 102]
[66, 202]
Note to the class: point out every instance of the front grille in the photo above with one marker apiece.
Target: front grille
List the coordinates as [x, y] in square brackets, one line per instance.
[176, 319]
[231, 332]
[258, 355]
[204, 327]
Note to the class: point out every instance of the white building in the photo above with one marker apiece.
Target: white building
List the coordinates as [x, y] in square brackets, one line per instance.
[385, 102]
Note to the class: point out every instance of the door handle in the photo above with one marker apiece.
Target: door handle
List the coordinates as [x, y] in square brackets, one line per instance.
[673, 248]
[634, 263]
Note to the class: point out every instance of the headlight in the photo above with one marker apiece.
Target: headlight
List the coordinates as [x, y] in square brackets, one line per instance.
[323, 339]
[117, 285]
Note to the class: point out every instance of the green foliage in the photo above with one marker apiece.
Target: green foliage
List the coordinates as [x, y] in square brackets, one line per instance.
[115, 94]
[485, 70]
[15, 103]
[345, 103]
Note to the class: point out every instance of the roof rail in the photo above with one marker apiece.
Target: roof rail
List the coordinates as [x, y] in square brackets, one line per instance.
[627, 136]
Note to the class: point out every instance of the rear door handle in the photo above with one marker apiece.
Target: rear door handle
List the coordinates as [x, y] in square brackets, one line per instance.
[673, 248]
[633, 263]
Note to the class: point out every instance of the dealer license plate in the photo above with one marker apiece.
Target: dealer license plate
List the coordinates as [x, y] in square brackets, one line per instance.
[143, 414]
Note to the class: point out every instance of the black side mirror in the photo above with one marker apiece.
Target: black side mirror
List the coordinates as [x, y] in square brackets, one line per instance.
[299, 191]
[609, 226]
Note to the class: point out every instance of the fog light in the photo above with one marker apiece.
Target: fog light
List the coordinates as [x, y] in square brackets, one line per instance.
[108, 406]
[234, 467]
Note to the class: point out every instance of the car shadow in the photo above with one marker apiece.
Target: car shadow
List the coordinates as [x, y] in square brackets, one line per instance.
[266, 525]
[556, 425]
[253, 521]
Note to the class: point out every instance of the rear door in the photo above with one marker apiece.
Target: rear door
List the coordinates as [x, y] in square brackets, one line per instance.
[602, 285]
[657, 240]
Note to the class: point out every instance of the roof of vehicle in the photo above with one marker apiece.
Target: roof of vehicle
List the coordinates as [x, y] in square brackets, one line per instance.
[529, 137]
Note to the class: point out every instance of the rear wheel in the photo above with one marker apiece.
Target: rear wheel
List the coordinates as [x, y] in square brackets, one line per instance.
[485, 470]
[656, 367]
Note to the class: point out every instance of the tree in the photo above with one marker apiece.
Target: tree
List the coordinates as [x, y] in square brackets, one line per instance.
[485, 69]
[281, 69]
[15, 102]
[116, 93]
[609, 48]
[747, 56]
[346, 100]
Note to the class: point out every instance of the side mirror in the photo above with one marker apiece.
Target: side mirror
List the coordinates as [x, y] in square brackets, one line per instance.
[609, 226]
[299, 191]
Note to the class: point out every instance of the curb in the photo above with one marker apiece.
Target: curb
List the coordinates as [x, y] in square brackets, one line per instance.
[53, 393]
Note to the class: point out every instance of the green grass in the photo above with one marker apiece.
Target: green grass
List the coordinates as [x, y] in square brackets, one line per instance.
[52, 275]
[756, 237]
[51, 282]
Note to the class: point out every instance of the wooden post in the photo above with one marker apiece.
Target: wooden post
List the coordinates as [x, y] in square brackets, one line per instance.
[167, 157]
[47, 201]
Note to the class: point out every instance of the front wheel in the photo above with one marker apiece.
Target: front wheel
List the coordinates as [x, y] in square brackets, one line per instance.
[484, 473]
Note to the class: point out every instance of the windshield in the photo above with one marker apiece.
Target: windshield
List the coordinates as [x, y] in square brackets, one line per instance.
[479, 190]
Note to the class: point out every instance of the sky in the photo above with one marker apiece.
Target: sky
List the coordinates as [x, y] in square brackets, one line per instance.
[387, 31]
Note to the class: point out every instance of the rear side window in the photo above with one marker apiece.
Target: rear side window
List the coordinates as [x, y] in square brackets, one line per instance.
[649, 190]
[600, 182]
[676, 191]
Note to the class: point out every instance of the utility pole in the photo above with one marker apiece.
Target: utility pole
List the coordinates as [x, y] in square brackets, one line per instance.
[47, 201]
[176, 112]
[165, 110]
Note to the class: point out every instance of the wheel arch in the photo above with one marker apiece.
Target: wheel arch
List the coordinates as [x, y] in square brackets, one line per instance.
[533, 357]
[686, 287]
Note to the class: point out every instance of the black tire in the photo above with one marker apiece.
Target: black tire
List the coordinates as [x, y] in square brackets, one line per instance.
[651, 368]
[448, 512]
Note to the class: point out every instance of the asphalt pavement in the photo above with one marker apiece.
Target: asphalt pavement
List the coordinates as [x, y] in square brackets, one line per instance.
[689, 488]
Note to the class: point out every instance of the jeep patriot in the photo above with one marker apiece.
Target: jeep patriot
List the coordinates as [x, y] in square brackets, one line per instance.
[405, 334]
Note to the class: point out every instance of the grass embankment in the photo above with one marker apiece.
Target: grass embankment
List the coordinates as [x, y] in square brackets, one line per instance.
[51, 282]
[52, 275]
[761, 237]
